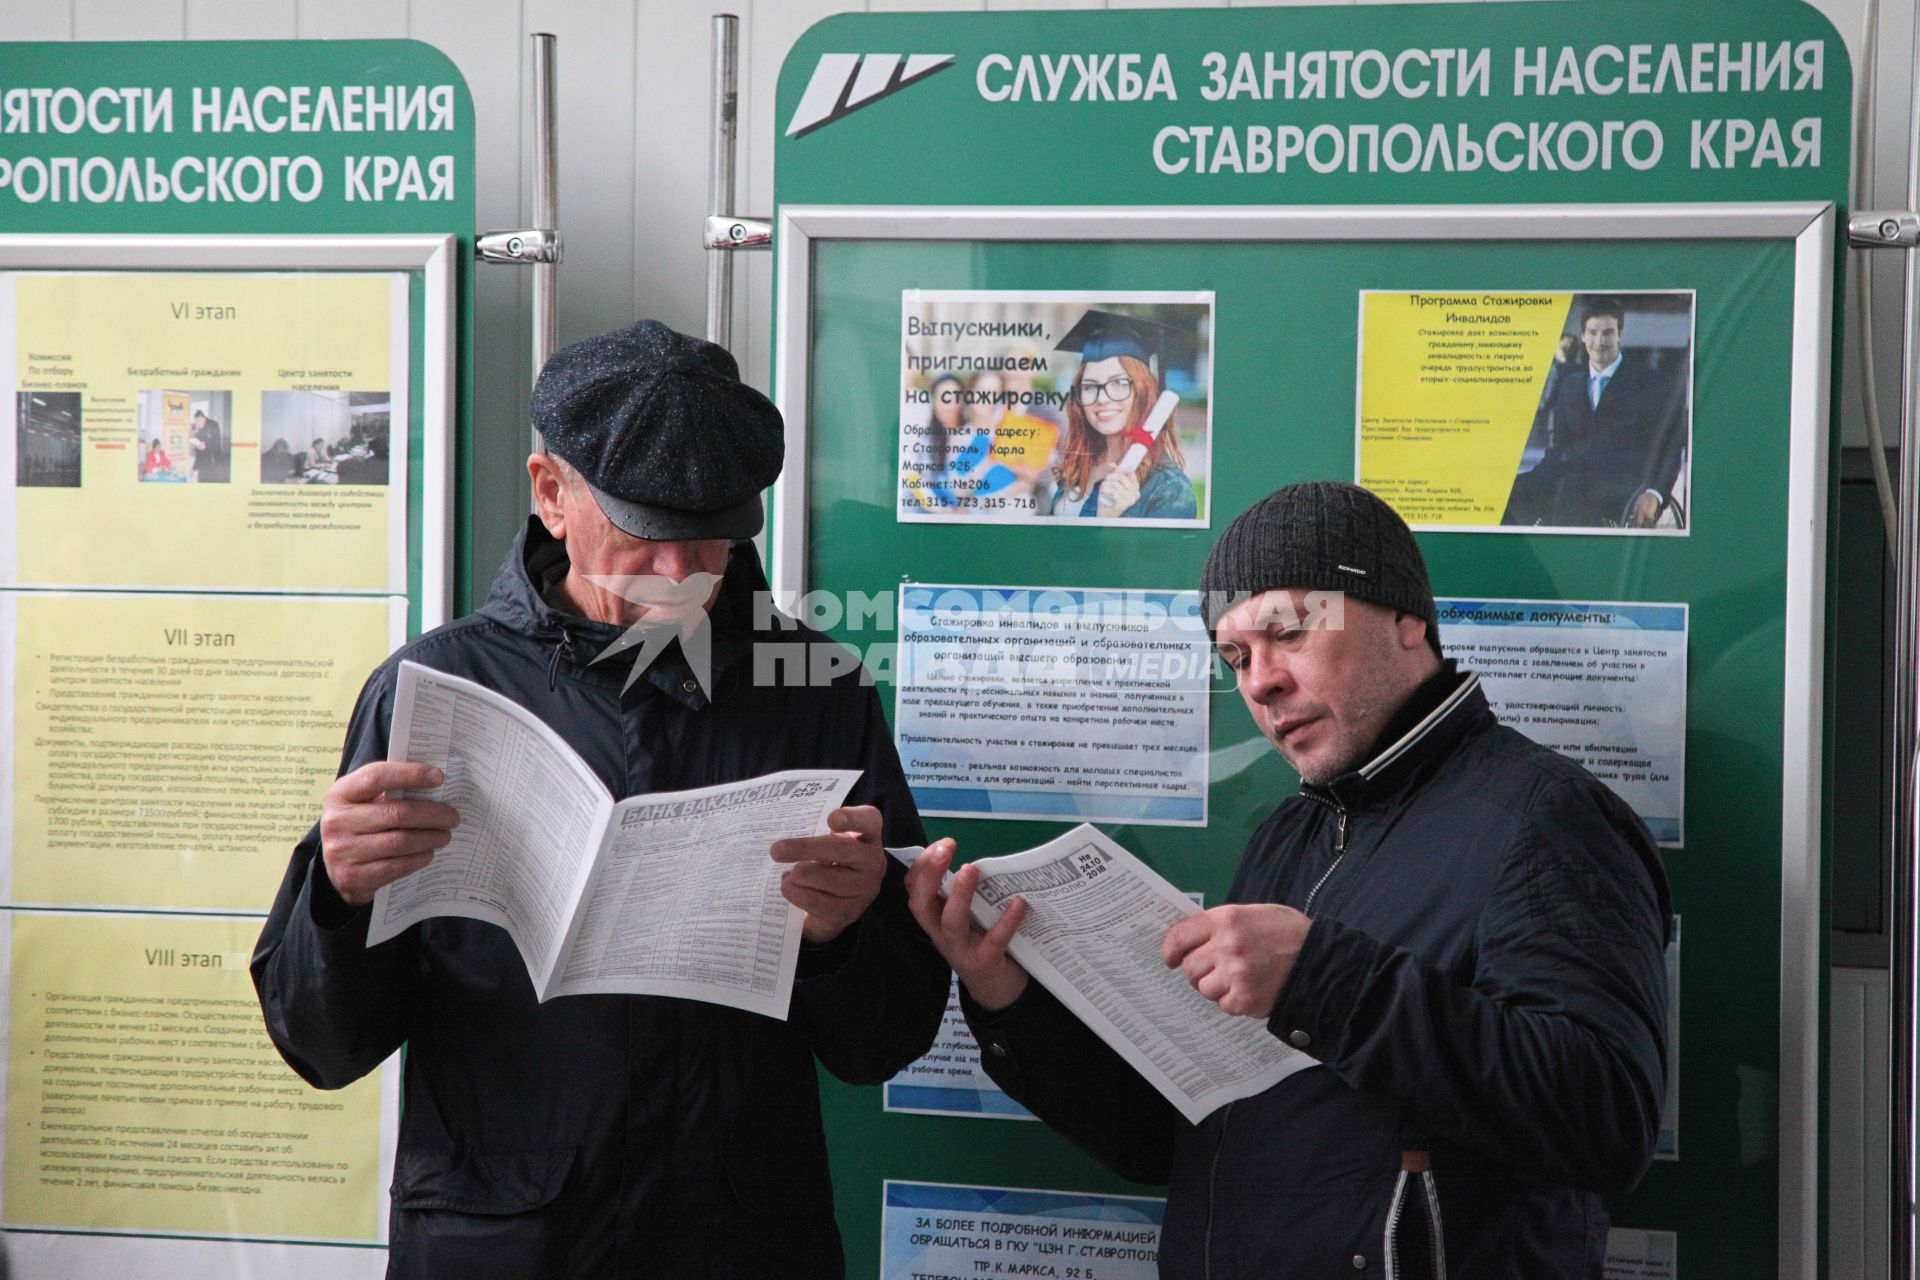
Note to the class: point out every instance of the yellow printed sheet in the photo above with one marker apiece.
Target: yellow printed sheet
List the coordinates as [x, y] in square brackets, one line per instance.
[144, 1095]
[168, 750]
[1449, 386]
[227, 431]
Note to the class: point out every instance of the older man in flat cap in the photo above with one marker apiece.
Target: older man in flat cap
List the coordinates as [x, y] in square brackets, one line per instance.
[606, 1135]
[1466, 929]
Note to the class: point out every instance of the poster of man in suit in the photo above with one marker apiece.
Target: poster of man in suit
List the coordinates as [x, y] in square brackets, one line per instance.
[1524, 411]
[1609, 443]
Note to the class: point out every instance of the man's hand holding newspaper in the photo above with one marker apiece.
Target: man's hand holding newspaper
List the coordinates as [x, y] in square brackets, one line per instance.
[1176, 991]
[1238, 956]
[978, 956]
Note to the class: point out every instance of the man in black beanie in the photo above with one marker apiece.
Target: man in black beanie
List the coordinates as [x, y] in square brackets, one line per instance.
[613, 1135]
[1463, 927]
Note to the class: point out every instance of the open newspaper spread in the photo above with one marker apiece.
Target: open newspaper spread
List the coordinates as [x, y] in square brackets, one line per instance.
[1095, 919]
[670, 894]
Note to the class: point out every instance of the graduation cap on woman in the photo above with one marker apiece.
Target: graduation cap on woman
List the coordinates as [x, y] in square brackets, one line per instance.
[1101, 335]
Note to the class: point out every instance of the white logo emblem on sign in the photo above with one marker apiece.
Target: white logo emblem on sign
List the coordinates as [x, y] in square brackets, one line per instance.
[845, 82]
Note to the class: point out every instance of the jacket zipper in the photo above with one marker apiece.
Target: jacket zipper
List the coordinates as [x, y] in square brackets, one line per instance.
[1392, 1242]
[1435, 1230]
[563, 648]
[1339, 852]
[1213, 1173]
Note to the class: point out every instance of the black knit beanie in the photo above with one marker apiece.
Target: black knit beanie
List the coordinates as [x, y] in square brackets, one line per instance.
[1320, 536]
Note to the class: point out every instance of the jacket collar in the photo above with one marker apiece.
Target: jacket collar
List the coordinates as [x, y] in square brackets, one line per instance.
[518, 601]
[1434, 718]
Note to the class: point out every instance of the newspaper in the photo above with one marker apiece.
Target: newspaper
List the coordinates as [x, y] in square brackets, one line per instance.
[670, 894]
[1096, 916]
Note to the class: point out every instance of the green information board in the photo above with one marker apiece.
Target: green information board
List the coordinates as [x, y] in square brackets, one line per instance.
[970, 153]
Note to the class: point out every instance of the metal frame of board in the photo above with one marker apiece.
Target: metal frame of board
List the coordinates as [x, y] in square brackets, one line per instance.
[1810, 227]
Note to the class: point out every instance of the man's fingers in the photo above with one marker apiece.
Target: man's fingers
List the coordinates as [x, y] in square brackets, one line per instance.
[369, 781]
[1198, 964]
[852, 839]
[833, 882]
[862, 820]
[923, 885]
[947, 913]
[382, 846]
[845, 848]
[1006, 926]
[1184, 937]
[956, 917]
[810, 900]
[357, 884]
[394, 815]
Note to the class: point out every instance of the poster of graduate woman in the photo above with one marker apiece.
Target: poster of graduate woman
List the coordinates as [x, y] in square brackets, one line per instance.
[1055, 406]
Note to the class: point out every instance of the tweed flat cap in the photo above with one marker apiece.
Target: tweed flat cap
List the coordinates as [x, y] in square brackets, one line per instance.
[673, 444]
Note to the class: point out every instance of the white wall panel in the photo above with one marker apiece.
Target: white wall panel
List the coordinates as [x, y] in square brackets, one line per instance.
[129, 19]
[241, 19]
[350, 19]
[671, 112]
[596, 92]
[47, 20]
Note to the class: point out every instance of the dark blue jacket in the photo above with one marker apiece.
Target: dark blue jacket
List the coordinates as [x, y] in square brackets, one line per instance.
[1483, 982]
[606, 1135]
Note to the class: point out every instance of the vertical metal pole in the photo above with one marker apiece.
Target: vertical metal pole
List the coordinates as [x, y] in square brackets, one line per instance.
[723, 139]
[546, 206]
[1905, 986]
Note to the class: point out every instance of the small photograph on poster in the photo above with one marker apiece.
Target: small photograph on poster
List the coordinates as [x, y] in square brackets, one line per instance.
[1528, 411]
[1020, 406]
[46, 440]
[1602, 683]
[935, 1229]
[182, 438]
[1061, 703]
[324, 437]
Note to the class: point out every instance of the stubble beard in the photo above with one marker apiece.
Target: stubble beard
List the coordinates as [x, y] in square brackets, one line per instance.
[1365, 718]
